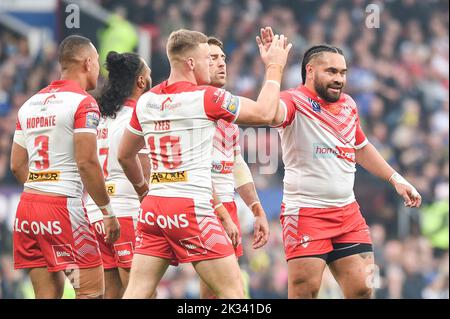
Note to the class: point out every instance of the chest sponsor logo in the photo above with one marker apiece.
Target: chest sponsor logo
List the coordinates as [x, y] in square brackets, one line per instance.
[222, 167]
[169, 177]
[49, 176]
[321, 150]
[63, 254]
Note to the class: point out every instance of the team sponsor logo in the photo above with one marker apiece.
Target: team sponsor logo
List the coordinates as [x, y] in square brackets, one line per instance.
[92, 120]
[230, 103]
[110, 188]
[49, 100]
[63, 254]
[139, 239]
[315, 105]
[49, 176]
[153, 105]
[346, 153]
[222, 167]
[321, 150]
[166, 105]
[170, 222]
[193, 246]
[305, 240]
[124, 252]
[169, 177]
[38, 228]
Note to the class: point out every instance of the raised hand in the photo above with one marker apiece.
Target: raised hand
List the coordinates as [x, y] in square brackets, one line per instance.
[278, 50]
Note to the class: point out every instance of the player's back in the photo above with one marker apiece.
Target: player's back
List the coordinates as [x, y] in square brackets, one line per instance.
[47, 122]
[177, 122]
[123, 197]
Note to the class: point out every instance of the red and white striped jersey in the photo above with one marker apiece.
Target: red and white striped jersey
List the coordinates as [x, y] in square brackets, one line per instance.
[319, 140]
[226, 147]
[178, 125]
[124, 200]
[45, 127]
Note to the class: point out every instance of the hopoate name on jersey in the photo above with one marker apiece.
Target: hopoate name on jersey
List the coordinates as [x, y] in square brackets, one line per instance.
[41, 121]
[49, 176]
[321, 150]
[169, 177]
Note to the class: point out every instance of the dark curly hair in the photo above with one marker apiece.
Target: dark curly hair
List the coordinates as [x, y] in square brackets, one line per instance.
[314, 51]
[123, 70]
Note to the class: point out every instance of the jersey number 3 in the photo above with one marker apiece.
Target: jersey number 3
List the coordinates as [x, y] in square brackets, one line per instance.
[41, 142]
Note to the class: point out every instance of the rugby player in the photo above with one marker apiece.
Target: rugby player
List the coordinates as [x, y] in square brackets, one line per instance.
[176, 120]
[55, 154]
[322, 141]
[230, 172]
[128, 78]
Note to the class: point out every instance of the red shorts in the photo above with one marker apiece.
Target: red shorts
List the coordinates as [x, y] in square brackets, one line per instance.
[119, 254]
[180, 229]
[313, 231]
[53, 232]
[232, 210]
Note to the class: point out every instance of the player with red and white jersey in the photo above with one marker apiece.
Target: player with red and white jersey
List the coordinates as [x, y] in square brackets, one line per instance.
[54, 154]
[229, 172]
[322, 141]
[128, 78]
[176, 121]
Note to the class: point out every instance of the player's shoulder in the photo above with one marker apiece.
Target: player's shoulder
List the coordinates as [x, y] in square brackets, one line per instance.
[292, 92]
[178, 87]
[348, 100]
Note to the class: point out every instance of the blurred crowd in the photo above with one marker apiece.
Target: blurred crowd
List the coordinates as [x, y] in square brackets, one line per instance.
[398, 75]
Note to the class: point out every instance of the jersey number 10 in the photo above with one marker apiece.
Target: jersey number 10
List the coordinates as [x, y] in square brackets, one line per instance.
[166, 142]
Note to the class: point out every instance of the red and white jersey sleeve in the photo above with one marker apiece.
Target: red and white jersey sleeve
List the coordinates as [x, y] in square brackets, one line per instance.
[46, 125]
[87, 116]
[19, 138]
[225, 148]
[288, 106]
[178, 125]
[319, 140]
[221, 104]
[124, 200]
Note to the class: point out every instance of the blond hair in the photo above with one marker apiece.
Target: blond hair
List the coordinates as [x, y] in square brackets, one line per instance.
[182, 41]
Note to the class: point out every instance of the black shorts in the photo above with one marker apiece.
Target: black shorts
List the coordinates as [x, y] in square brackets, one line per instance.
[341, 250]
